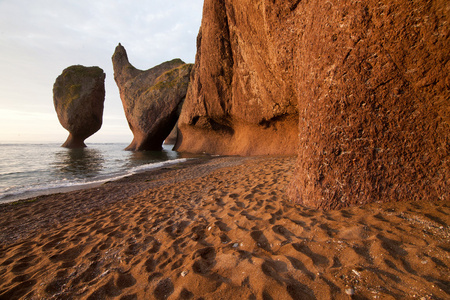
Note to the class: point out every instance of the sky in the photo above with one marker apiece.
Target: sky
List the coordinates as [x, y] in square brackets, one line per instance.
[40, 38]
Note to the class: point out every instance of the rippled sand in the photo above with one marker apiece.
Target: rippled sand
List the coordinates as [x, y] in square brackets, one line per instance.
[219, 228]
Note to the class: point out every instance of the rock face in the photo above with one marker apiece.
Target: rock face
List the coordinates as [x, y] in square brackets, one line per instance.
[151, 99]
[78, 96]
[242, 98]
[374, 101]
[367, 82]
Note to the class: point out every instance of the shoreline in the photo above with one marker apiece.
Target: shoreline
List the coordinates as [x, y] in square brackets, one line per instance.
[26, 196]
[47, 188]
[219, 227]
[102, 194]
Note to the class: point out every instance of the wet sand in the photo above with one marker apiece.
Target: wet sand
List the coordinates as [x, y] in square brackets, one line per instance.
[219, 228]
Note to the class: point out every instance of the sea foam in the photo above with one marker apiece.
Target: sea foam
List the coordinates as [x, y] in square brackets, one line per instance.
[33, 170]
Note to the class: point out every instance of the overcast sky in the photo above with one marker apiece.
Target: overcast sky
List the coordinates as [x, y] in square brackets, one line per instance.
[40, 38]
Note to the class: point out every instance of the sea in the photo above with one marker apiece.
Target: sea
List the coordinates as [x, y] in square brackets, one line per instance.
[28, 170]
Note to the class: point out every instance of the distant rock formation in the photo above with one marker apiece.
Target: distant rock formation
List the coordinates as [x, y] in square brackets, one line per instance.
[360, 89]
[78, 96]
[151, 99]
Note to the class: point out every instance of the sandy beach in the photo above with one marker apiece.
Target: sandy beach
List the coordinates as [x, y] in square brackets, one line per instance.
[219, 228]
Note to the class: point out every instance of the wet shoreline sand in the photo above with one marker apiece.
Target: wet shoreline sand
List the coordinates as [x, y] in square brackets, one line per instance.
[219, 228]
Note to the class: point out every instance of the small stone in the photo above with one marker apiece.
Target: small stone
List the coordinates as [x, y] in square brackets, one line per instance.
[235, 245]
[350, 291]
[184, 273]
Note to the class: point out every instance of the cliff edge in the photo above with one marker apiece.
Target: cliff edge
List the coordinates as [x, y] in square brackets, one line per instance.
[241, 98]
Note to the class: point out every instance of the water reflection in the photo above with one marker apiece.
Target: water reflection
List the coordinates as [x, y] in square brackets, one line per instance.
[80, 163]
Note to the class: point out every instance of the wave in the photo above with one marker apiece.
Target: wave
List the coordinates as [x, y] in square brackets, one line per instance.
[18, 193]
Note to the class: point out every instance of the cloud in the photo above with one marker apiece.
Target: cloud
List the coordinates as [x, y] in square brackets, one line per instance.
[40, 38]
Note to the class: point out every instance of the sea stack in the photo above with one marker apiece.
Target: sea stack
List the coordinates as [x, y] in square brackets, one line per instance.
[78, 96]
[151, 99]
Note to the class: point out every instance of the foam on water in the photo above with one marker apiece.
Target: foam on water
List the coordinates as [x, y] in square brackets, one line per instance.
[28, 170]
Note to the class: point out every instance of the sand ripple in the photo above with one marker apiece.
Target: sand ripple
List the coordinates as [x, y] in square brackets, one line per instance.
[221, 229]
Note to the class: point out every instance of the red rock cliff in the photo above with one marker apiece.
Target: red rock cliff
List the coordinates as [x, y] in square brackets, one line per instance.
[367, 82]
[241, 98]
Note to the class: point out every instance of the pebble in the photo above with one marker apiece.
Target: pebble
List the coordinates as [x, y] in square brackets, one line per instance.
[184, 273]
[350, 291]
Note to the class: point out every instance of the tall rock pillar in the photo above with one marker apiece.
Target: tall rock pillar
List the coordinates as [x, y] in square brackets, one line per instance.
[151, 99]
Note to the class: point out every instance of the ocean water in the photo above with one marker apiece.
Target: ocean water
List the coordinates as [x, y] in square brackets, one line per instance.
[31, 169]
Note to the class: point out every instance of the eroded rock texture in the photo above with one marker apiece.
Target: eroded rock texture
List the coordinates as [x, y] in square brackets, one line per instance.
[374, 98]
[78, 97]
[151, 99]
[367, 82]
